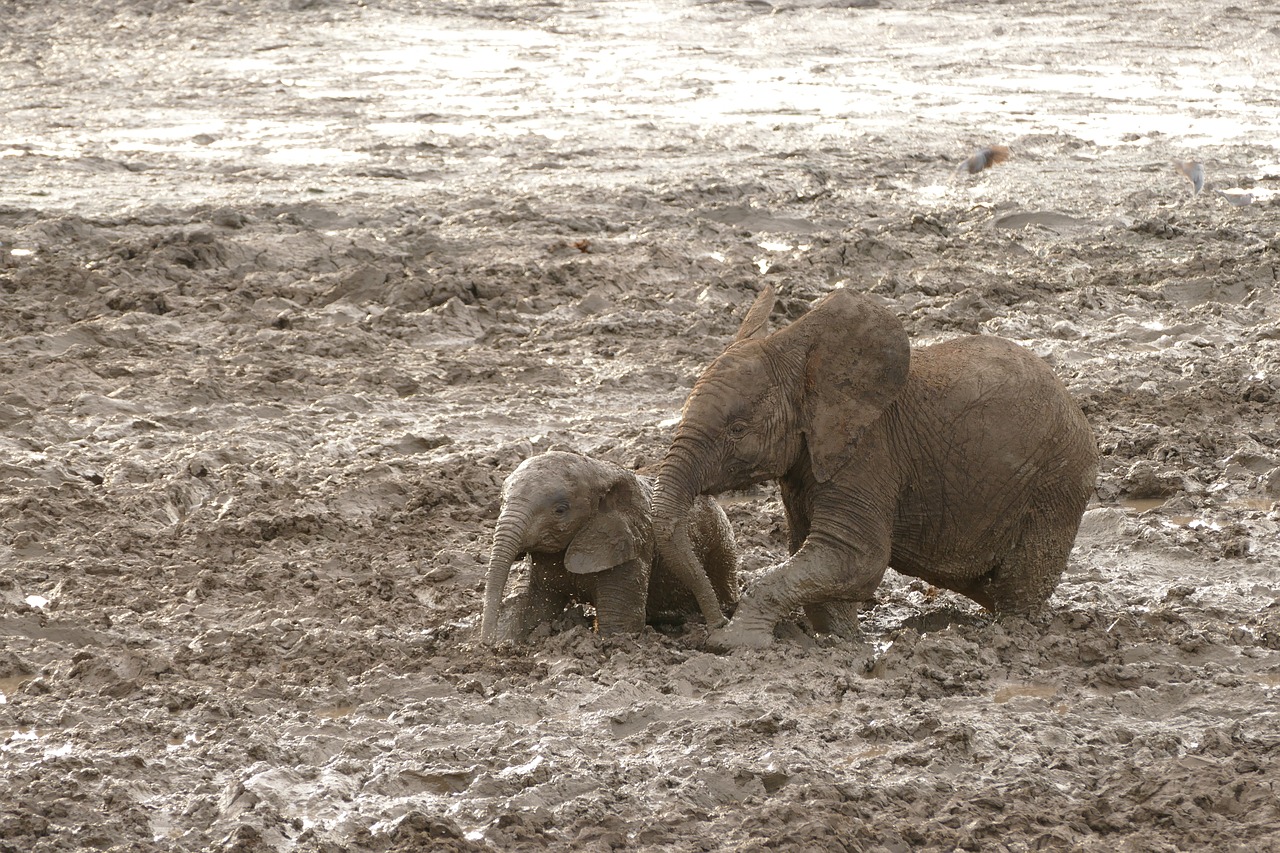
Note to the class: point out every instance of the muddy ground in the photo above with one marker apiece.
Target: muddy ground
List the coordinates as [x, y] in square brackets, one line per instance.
[287, 289]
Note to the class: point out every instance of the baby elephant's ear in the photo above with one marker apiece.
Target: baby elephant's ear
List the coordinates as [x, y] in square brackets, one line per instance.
[619, 532]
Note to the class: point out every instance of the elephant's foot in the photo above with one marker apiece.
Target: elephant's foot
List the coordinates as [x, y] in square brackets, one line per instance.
[741, 634]
[838, 618]
[717, 625]
[512, 627]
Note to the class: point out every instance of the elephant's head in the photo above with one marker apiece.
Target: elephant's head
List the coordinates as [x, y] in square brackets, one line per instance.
[771, 399]
[594, 513]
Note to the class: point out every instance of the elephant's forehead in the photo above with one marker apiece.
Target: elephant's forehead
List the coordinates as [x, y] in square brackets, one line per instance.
[744, 369]
[553, 462]
[542, 478]
[542, 493]
[735, 391]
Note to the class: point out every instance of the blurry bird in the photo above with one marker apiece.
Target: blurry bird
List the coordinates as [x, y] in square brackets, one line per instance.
[984, 158]
[1238, 198]
[1193, 171]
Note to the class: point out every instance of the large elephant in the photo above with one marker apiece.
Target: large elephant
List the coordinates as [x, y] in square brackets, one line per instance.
[586, 527]
[966, 464]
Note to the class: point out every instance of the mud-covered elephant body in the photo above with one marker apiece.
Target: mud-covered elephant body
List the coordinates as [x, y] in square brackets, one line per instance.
[966, 464]
[586, 527]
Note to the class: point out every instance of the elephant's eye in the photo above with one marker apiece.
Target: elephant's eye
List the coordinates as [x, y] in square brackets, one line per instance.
[738, 429]
[561, 509]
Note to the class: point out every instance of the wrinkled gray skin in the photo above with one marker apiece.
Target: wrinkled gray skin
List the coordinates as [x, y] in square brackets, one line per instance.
[585, 525]
[965, 464]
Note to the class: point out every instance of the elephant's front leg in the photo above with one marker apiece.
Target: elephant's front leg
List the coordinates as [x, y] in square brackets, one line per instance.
[827, 617]
[838, 618]
[543, 597]
[620, 598]
[822, 575]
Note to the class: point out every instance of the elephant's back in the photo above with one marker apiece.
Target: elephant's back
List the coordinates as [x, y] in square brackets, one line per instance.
[983, 357]
[984, 378]
[997, 412]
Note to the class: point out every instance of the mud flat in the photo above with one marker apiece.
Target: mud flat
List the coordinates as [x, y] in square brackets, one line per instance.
[289, 288]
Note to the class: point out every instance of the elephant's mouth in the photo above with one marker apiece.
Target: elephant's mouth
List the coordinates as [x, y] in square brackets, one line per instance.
[737, 475]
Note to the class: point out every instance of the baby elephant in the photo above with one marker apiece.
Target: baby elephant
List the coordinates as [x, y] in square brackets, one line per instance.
[585, 525]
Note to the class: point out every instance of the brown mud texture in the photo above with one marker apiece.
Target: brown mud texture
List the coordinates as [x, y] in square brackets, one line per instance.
[288, 288]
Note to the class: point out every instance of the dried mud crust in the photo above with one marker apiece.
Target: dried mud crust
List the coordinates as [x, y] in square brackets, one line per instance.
[275, 326]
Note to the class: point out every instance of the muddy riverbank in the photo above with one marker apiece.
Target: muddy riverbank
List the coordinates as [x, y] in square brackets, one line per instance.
[290, 287]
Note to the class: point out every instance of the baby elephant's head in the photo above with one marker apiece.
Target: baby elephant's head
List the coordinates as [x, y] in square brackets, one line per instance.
[550, 497]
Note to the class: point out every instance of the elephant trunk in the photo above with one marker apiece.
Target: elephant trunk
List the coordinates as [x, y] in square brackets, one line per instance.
[508, 545]
[679, 484]
[673, 495]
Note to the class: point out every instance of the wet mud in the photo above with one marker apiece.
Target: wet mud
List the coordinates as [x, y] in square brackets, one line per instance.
[289, 288]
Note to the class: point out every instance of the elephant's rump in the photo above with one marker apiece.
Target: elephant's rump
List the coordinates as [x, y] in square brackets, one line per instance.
[1003, 447]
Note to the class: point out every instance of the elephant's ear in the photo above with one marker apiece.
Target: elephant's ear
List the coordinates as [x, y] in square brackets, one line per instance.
[620, 530]
[753, 326]
[858, 361]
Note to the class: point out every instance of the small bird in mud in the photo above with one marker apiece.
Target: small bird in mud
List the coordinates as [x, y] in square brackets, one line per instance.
[1193, 171]
[984, 158]
[1237, 198]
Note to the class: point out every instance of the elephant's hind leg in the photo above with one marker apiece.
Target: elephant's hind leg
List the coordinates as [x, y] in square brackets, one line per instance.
[1029, 573]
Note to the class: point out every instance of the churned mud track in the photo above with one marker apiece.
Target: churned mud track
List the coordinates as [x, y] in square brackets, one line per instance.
[289, 288]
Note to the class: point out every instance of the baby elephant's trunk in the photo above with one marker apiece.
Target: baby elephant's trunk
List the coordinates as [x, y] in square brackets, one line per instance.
[508, 545]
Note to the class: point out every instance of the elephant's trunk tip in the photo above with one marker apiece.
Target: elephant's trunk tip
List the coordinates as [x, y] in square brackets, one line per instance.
[507, 545]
